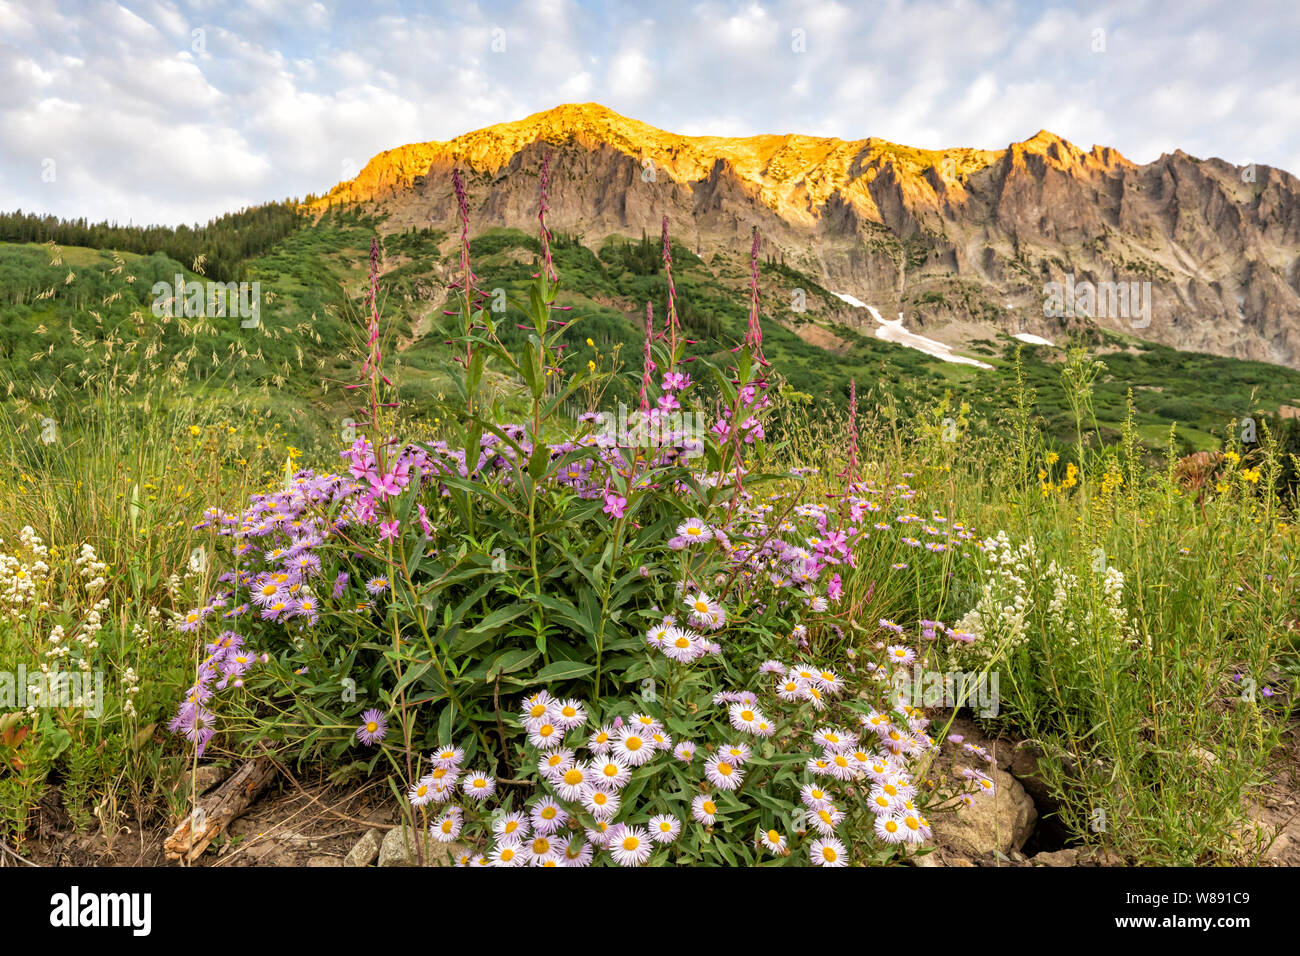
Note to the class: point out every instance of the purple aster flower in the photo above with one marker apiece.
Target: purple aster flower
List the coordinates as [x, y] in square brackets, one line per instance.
[374, 726]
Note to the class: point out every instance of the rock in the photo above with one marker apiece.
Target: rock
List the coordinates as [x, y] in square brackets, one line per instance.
[398, 849]
[1024, 767]
[323, 861]
[995, 823]
[1095, 856]
[208, 776]
[364, 851]
[1058, 858]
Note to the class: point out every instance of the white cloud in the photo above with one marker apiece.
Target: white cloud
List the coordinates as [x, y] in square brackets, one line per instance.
[148, 125]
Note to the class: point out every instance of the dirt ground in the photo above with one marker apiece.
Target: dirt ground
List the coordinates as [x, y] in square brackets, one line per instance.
[314, 823]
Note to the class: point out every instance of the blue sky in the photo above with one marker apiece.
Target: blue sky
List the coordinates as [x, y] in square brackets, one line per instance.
[162, 111]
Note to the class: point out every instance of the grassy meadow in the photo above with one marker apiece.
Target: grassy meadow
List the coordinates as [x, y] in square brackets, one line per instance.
[1143, 632]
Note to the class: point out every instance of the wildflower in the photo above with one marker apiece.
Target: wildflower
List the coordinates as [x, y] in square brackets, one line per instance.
[685, 751]
[547, 816]
[374, 725]
[704, 810]
[479, 786]
[507, 854]
[631, 846]
[744, 717]
[694, 531]
[614, 505]
[377, 585]
[828, 851]
[545, 735]
[705, 612]
[511, 827]
[773, 842]
[421, 791]
[613, 771]
[447, 828]
[542, 850]
[632, 747]
[603, 804]
[578, 854]
[570, 714]
[664, 828]
[600, 741]
[448, 757]
[723, 774]
[889, 828]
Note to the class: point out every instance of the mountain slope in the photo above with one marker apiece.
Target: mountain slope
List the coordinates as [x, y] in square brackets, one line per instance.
[957, 240]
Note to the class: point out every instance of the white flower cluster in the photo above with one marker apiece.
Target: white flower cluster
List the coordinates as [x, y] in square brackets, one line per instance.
[130, 687]
[997, 622]
[91, 569]
[1114, 621]
[19, 579]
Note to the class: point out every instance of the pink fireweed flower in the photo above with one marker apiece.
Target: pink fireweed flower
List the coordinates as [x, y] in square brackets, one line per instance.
[389, 530]
[614, 505]
[374, 726]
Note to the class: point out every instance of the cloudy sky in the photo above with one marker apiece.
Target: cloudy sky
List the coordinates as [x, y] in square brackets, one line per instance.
[172, 111]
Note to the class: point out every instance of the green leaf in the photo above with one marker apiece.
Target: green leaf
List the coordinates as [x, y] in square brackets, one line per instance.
[563, 670]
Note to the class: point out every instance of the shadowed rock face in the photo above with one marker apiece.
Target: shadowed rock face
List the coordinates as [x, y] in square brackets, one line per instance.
[949, 237]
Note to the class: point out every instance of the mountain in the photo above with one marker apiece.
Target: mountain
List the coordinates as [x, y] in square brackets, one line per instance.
[962, 242]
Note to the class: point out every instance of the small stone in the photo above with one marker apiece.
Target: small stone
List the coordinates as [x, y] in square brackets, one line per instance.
[364, 851]
[323, 861]
[1204, 757]
[208, 776]
[1056, 858]
[398, 849]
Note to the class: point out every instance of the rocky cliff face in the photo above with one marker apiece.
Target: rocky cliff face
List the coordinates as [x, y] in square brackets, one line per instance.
[957, 239]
